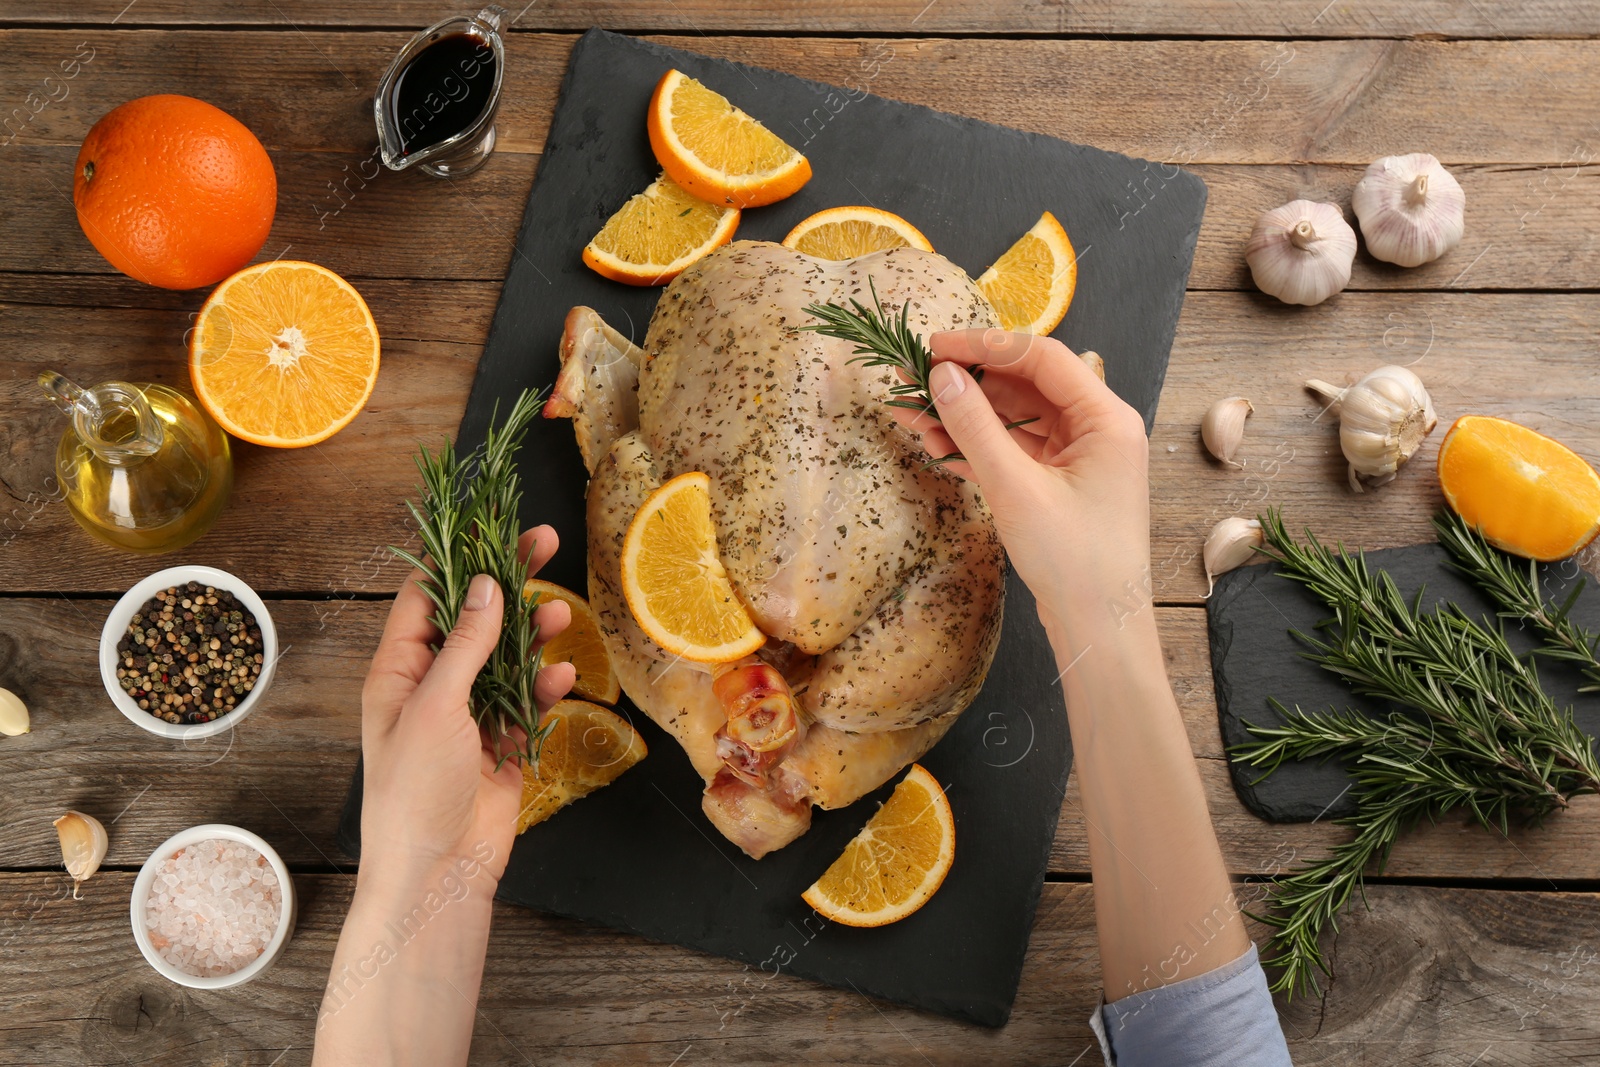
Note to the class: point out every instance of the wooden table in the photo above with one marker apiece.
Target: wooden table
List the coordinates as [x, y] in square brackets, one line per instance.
[1478, 949]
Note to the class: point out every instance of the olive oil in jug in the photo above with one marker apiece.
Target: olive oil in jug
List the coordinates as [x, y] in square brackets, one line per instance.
[141, 467]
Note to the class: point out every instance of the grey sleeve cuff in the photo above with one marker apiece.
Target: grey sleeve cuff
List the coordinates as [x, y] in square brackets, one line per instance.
[1223, 1018]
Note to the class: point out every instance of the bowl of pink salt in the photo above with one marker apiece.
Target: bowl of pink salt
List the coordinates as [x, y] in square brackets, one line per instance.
[212, 907]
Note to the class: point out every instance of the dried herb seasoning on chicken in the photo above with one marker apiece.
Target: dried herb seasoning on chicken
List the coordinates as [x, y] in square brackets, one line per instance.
[877, 583]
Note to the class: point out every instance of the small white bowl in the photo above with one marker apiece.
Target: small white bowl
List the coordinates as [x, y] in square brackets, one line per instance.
[147, 876]
[117, 626]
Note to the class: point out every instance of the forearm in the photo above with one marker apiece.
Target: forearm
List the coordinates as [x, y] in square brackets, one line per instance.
[1163, 902]
[404, 983]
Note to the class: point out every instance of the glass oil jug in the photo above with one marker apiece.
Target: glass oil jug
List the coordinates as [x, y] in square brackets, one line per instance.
[142, 467]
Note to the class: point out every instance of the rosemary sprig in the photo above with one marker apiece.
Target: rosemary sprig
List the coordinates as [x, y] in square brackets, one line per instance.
[467, 522]
[1513, 585]
[1472, 729]
[884, 341]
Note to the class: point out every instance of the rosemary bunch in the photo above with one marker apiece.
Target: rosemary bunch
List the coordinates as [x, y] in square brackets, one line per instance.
[1513, 585]
[1473, 729]
[467, 522]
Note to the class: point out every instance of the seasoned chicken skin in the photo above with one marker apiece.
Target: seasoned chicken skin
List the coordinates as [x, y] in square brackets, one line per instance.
[878, 581]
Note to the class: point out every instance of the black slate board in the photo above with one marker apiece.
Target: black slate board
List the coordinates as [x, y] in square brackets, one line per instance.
[1253, 658]
[639, 855]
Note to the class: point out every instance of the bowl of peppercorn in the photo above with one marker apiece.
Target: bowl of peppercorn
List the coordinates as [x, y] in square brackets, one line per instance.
[188, 652]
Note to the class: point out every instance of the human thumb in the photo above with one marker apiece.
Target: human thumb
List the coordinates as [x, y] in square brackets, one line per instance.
[970, 421]
[466, 648]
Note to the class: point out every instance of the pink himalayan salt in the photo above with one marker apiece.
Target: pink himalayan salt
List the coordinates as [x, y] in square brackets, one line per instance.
[213, 907]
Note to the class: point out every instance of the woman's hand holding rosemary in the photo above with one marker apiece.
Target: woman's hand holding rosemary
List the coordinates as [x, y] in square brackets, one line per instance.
[1473, 728]
[467, 522]
[884, 341]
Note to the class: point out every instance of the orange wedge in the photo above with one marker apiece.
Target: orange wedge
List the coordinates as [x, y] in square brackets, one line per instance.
[848, 232]
[897, 861]
[716, 151]
[674, 582]
[587, 747]
[657, 234]
[1528, 495]
[284, 354]
[579, 644]
[1031, 284]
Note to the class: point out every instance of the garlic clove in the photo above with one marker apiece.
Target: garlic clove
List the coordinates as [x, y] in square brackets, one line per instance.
[1230, 544]
[83, 846]
[1301, 252]
[1095, 363]
[13, 714]
[1383, 420]
[1222, 428]
[1411, 210]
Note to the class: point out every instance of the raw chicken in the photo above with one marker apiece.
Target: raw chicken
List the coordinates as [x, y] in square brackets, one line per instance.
[879, 583]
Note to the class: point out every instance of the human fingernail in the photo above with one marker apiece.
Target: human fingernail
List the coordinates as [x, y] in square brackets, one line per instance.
[479, 592]
[947, 381]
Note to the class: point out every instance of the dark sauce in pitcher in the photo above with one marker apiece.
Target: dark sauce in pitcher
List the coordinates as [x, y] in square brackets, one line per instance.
[443, 90]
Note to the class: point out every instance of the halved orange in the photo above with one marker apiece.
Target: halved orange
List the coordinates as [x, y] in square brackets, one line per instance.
[674, 582]
[848, 232]
[1527, 494]
[657, 234]
[579, 644]
[1031, 284]
[716, 151]
[897, 861]
[587, 747]
[284, 354]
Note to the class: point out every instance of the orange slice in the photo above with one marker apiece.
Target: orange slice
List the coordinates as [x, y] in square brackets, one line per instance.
[284, 354]
[716, 151]
[1528, 495]
[897, 861]
[587, 747]
[579, 644]
[675, 585]
[1031, 284]
[657, 234]
[848, 232]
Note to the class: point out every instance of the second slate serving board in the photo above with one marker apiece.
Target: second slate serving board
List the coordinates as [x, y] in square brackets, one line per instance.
[639, 855]
[1253, 658]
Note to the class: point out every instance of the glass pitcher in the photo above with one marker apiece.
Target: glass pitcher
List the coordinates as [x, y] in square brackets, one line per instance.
[142, 467]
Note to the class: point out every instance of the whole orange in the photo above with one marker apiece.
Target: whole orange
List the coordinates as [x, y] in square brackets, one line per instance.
[174, 192]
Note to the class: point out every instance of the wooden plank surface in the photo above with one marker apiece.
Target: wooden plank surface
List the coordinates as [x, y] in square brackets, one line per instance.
[1266, 102]
[284, 771]
[1186, 101]
[1426, 977]
[313, 519]
[1167, 18]
[1528, 227]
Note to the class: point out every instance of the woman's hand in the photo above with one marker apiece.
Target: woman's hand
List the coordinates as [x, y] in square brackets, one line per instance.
[1069, 491]
[1072, 503]
[432, 792]
[437, 820]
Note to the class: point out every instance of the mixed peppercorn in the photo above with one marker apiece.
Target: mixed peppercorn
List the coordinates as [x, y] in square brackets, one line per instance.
[192, 653]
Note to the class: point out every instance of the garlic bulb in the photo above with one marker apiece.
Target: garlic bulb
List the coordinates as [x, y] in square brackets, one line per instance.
[13, 714]
[1230, 544]
[1412, 210]
[1383, 419]
[83, 846]
[1301, 252]
[1222, 429]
